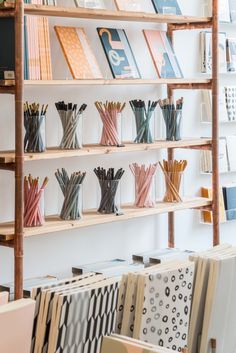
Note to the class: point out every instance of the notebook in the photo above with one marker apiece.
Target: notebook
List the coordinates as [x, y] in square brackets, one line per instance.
[16, 317]
[132, 5]
[162, 54]
[78, 53]
[118, 53]
[167, 7]
[4, 297]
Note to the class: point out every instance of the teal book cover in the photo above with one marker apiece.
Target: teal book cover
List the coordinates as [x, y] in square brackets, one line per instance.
[167, 7]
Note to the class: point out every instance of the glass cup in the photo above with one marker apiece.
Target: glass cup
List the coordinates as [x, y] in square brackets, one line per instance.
[35, 134]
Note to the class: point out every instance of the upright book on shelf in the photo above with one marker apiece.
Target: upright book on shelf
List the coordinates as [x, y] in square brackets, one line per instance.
[162, 53]
[78, 53]
[207, 108]
[7, 49]
[119, 53]
[167, 7]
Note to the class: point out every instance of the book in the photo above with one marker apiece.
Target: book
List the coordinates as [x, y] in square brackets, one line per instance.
[16, 317]
[90, 4]
[7, 49]
[229, 193]
[118, 52]
[163, 305]
[131, 5]
[230, 97]
[231, 54]
[207, 215]
[78, 53]
[231, 143]
[162, 53]
[167, 7]
[206, 52]
[232, 8]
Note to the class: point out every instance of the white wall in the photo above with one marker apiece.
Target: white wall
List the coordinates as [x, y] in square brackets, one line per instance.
[55, 253]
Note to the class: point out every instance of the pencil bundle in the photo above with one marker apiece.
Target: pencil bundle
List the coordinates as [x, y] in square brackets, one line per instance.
[34, 123]
[70, 187]
[33, 193]
[143, 114]
[172, 115]
[109, 113]
[173, 171]
[70, 117]
[143, 184]
[109, 182]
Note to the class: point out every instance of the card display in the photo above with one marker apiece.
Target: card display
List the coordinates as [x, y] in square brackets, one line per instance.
[78, 53]
[119, 53]
[206, 52]
[167, 7]
[162, 54]
[230, 96]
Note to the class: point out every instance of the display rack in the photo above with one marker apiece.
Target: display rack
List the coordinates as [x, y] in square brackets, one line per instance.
[12, 234]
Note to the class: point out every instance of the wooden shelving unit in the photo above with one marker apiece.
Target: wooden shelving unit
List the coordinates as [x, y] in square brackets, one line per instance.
[12, 234]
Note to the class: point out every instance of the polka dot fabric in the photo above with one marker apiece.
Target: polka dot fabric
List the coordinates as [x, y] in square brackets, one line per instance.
[166, 308]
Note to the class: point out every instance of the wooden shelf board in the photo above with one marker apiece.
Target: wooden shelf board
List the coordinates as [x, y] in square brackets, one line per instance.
[92, 218]
[57, 11]
[7, 157]
[118, 82]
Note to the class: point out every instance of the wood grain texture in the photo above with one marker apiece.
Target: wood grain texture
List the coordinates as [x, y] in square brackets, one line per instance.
[117, 82]
[92, 218]
[58, 11]
[95, 149]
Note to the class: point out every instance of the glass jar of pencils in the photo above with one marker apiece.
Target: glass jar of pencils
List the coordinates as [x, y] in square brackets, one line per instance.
[173, 124]
[71, 120]
[111, 115]
[173, 172]
[109, 183]
[35, 128]
[144, 120]
[71, 188]
[144, 185]
[34, 202]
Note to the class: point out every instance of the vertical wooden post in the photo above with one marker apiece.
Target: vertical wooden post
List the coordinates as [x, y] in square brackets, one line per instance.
[215, 122]
[19, 89]
[171, 215]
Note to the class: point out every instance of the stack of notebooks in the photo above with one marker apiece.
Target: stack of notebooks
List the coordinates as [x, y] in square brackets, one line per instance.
[154, 304]
[72, 315]
[16, 324]
[227, 157]
[120, 344]
[227, 104]
[213, 313]
[153, 257]
[227, 203]
[112, 268]
[37, 47]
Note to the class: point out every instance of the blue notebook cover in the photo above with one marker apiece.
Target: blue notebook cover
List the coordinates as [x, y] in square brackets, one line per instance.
[7, 46]
[229, 193]
[167, 7]
[119, 53]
